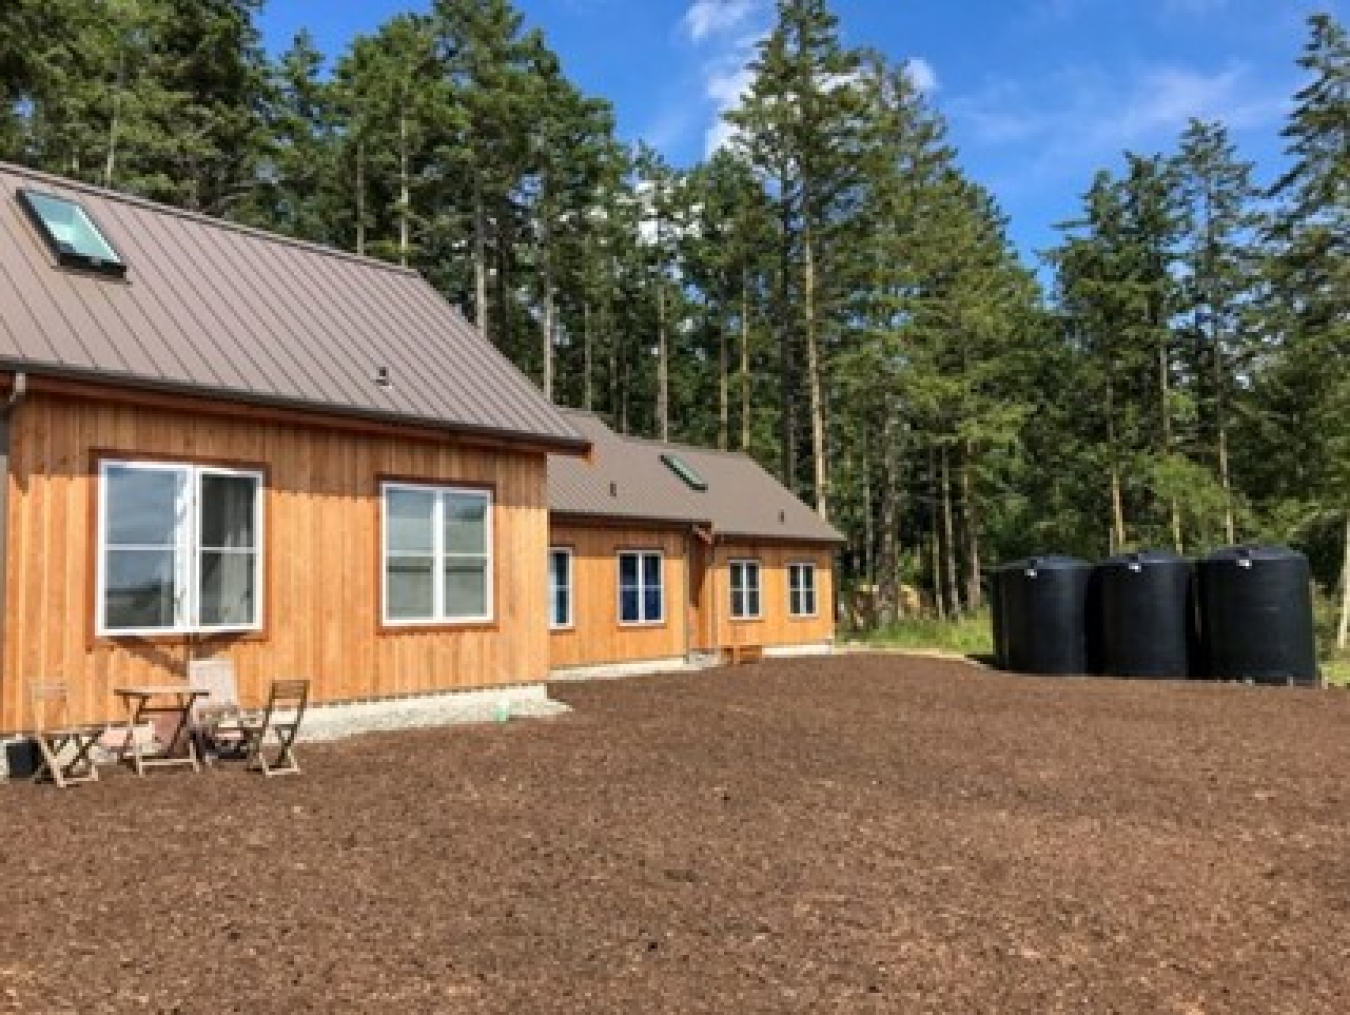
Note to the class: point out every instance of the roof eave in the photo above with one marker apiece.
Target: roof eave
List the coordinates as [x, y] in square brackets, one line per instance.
[550, 443]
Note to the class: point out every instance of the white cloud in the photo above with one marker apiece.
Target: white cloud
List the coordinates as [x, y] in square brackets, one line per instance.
[707, 18]
[921, 74]
[1085, 112]
[726, 86]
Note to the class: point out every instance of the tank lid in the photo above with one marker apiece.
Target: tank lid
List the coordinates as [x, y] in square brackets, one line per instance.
[1050, 562]
[1143, 558]
[1239, 554]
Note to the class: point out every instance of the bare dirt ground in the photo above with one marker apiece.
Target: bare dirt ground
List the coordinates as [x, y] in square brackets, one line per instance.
[863, 833]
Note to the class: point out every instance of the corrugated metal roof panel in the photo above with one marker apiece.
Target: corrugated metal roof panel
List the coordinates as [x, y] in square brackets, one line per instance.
[625, 478]
[235, 313]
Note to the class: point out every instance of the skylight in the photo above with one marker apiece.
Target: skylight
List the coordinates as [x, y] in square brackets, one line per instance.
[685, 471]
[71, 233]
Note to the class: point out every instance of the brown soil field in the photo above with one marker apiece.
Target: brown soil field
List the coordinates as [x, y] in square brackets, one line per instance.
[859, 833]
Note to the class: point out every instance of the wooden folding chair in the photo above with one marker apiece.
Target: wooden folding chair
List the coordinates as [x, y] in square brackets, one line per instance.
[215, 718]
[64, 746]
[286, 704]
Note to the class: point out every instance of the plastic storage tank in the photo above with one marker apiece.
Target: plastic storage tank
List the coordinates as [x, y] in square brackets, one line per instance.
[996, 616]
[1145, 604]
[1256, 616]
[1044, 624]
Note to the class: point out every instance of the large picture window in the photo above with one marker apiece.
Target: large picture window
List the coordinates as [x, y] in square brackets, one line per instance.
[641, 596]
[560, 586]
[437, 554]
[745, 604]
[802, 590]
[179, 549]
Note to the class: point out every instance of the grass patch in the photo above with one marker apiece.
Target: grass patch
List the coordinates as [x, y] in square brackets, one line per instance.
[969, 635]
[1336, 672]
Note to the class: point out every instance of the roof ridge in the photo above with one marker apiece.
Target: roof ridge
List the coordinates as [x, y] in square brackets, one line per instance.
[657, 442]
[197, 216]
[680, 446]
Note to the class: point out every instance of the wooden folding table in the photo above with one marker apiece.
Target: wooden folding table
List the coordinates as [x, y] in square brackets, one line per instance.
[167, 700]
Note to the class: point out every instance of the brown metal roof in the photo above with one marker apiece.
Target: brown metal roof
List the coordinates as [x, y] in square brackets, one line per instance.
[625, 478]
[232, 313]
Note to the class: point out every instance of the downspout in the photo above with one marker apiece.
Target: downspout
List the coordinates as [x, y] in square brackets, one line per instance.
[17, 393]
[689, 611]
[715, 597]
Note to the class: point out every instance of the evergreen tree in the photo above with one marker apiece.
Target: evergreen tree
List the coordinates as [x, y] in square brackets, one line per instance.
[1304, 390]
[800, 126]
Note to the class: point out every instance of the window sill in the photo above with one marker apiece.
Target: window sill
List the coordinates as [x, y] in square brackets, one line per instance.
[438, 627]
[178, 637]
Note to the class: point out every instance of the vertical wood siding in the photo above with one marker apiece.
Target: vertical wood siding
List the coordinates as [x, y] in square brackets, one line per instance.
[713, 624]
[596, 635]
[321, 560]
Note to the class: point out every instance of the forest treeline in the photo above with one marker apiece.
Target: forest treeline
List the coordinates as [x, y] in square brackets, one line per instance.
[830, 291]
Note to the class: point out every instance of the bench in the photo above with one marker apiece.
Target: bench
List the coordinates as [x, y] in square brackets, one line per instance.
[736, 654]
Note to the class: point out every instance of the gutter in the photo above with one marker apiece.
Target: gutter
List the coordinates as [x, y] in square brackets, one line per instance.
[17, 393]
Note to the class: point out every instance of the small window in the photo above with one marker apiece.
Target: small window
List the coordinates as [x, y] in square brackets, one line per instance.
[745, 590]
[641, 595]
[560, 587]
[685, 471]
[71, 234]
[437, 555]
[802, 590]
[180, 549]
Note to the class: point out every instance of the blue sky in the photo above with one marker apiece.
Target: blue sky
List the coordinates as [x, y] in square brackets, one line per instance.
[1038, 93]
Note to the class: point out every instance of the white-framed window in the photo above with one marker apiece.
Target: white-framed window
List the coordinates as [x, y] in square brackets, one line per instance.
[802, 590]
[641, 589]
[437, 554]
[745, 599]
[179, 548]
[559, 587]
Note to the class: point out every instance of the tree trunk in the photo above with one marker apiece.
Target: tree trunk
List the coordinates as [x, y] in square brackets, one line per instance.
[115, 122]
[662, 356]
[1221, 426]
[787, 450]
[723, 384]
[887, 572]
[935, 542]
[949, 571]
[745, 361]
[1117, 540]
[970, 518]
[1164, 398]
[1343, 632]
[404, 193]
[361, 197]
[587, 356]
[501, 285]
[547, 323]
[480, 271]
[813, 375]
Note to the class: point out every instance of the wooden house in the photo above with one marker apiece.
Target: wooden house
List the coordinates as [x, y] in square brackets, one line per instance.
[662, 551]
[219, 443]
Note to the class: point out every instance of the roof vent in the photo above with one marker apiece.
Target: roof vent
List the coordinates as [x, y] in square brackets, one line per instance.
[382, 377]
[71, 234]
[613, 489]
[782, 517]
[685, 471]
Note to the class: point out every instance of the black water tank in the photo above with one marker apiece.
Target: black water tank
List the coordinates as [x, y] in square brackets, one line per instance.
[1145, 606]
[1256, 616]
[1044, 624]
[996, 616]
